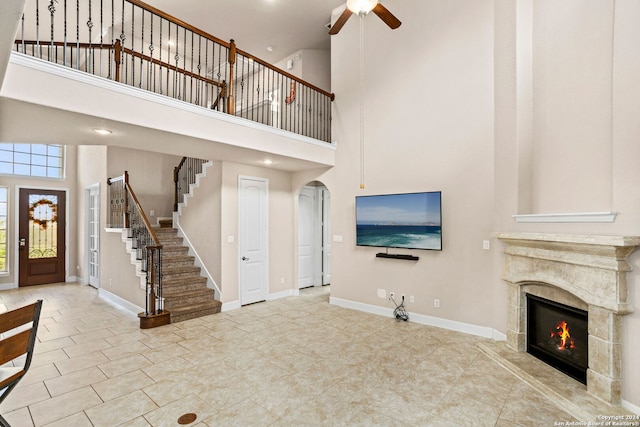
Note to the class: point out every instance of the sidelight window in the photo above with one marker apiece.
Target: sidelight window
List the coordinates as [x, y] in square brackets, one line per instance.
[4, 192]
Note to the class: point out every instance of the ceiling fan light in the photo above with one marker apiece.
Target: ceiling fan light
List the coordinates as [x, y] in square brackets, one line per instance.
[361, 7]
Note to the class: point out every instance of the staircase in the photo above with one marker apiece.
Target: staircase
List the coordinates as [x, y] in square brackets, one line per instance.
[185, 292]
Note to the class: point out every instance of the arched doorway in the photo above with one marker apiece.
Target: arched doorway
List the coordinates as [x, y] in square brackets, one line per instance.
[314, 235]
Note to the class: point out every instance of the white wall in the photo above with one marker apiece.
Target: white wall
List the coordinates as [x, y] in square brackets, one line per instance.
[311, 65]
[428, 127]
[508, 107]
[281, 228]
[200, 220]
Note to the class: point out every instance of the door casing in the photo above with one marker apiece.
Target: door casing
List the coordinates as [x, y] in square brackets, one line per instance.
[18, 190]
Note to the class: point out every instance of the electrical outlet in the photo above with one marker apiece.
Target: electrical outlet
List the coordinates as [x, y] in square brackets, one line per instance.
[382, 293]
[391, 295]
[412, 299]
[436, 303]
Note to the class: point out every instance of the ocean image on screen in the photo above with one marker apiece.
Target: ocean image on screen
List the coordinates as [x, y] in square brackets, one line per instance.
[411, 221]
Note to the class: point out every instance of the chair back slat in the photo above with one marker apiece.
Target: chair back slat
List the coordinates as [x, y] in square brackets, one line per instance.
[18, 317]
[14, 346]
[9, 375]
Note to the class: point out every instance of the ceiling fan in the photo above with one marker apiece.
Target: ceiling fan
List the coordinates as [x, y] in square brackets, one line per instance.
[362, 8]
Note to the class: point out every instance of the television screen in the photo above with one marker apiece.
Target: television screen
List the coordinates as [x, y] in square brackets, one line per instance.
[411, 221]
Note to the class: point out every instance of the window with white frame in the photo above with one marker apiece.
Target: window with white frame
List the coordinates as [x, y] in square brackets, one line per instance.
[37, 160]
[4, 193]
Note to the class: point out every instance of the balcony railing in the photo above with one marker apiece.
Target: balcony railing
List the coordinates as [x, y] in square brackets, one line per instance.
[133, 43]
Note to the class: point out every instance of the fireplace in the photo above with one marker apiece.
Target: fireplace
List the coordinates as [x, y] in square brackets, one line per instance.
[558, 335]
[584, 272]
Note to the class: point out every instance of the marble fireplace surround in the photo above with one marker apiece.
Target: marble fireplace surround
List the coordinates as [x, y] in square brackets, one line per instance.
[583, 271]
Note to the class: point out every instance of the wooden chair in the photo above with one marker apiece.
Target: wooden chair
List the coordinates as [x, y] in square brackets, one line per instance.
[16, 344]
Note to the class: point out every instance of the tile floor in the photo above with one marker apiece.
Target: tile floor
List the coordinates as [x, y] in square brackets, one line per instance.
[297, 361]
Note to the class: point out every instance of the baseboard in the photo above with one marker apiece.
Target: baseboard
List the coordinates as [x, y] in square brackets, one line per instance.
[283, 294]
[234, 305]
[113, 298]
[631, 407]
[231, 305]
[467, 328]
[7, 286]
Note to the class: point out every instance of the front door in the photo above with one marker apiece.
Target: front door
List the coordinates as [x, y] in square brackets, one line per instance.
[253, 247]
[41, 243]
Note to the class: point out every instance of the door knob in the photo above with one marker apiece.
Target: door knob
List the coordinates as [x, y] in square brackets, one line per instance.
[244, 258]
[22, 242]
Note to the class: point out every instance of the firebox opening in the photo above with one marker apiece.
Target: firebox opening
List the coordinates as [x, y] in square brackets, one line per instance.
[558, 335]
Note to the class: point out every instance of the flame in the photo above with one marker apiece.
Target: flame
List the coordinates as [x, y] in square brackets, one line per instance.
[562, 332]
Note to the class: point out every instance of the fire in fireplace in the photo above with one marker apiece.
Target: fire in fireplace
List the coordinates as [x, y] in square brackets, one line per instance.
[558, 335]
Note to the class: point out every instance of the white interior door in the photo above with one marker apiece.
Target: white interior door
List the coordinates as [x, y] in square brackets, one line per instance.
[314, 243]
[93, 234]
[306, 237]
[253, 239]
[326, 236]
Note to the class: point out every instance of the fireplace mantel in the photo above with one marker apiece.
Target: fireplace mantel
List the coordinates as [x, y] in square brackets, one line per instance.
[593, 268]
[584, 271]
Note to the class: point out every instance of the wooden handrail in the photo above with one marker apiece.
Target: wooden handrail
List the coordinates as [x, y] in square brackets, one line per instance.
[125, 177]
[231, 45]
[169, 66]
[176, 170]
[147, 224]
[65, 44]
[332, 96]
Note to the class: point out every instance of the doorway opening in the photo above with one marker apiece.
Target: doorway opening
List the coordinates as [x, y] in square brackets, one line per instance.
[314, 235]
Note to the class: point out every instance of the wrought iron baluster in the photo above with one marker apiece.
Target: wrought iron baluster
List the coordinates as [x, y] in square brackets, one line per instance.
[160, 59]
[184, 65]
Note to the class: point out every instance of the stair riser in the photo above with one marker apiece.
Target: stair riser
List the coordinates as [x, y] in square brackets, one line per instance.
[180, 317]
[174, 289]
[176, 277]
[177, 241]
[175, 251]
[182, 302]
[189, 269]
[188, 262]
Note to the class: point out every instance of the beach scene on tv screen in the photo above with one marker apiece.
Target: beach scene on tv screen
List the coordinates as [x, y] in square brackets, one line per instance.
[411, 221]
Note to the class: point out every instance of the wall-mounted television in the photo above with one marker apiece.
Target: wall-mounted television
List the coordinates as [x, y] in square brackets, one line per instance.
[408, 220]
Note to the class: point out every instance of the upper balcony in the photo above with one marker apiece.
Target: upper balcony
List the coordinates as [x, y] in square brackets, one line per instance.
[75, 60]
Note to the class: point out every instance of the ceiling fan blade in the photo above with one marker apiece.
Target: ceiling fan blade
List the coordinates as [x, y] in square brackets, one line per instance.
[388, 18]
[342, 19]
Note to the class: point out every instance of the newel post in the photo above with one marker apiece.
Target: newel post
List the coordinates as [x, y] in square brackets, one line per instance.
[117, 53]
[231, 106]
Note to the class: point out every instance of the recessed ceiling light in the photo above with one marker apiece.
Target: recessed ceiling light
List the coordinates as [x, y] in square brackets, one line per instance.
[102, 131]
[270, 49]
[267, 162]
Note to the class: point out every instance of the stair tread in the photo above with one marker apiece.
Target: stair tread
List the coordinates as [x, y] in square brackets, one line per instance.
[166, 293]
[181, 280]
